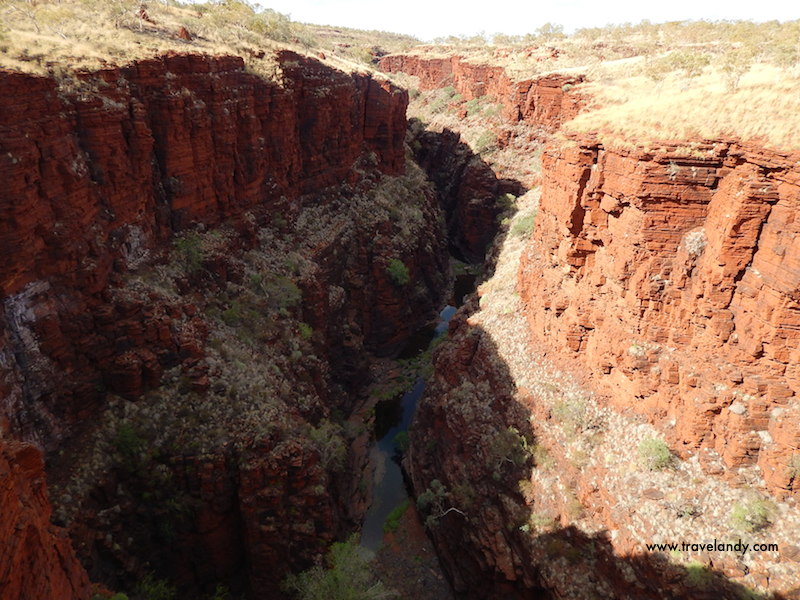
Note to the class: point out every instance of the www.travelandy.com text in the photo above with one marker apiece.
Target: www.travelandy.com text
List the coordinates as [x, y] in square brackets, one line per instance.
[739, 547]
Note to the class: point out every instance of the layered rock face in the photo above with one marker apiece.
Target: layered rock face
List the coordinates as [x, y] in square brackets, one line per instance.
[37, 560]
[473, 507]
[543, 102]
[467, 187]
[98, 176]
[215, 246]
[672, 280]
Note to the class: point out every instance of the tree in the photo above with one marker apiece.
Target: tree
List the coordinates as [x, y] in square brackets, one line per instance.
[349, 577]
[550, 32]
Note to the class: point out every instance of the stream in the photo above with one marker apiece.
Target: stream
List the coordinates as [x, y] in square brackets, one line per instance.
[393, 417]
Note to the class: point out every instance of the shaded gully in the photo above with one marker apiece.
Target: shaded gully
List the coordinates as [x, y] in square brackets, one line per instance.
[392, 421]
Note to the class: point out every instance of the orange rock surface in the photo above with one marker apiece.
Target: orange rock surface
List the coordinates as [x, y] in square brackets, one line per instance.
[672, 279]
[97, 180]
[544, 102]
[36, 558]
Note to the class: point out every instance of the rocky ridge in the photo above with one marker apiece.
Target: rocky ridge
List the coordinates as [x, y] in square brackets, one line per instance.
[542, 102]
[38, 559]
[647, 263]
[642, 264]
[197, 262]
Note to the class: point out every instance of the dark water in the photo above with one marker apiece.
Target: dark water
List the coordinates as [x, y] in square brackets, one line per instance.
[391, 418]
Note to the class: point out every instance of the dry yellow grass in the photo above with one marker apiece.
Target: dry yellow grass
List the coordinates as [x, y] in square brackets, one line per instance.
[765, 108]
[676, 81]
[52, 36]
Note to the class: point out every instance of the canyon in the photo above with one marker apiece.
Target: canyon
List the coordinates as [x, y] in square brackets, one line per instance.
[196, 265]
[656, 298]
[202, 265]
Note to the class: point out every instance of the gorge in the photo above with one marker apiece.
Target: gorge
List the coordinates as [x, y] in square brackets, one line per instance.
[207, 271]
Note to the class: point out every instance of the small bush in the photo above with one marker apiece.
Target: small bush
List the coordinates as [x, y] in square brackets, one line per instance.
[329, 441]
[190, 251]
[306, 331]
[393, 520]
[401, 442]
[571, 414]
[695, 242]
[282, 292]
[654, 454]
[793, 467]
[398, 272]
[350, 576]
[485, 142]
[150, 588]
[753, 516]
[698, 575]
[523, 227]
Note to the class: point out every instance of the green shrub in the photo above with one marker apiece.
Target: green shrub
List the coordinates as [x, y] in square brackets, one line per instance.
[654, 454]
[349, 576]
[393, 520]
[129, 444]
[571, 414]
[698, 575]
[433, 497]
[328, 439]
[190, 251]
[306, 331]
[523, 226]
[282, 292]
[398, 272]
[221, 592]
[150, 588]
[233, 314]
[485, 142]
[401, 441]
[753, 516]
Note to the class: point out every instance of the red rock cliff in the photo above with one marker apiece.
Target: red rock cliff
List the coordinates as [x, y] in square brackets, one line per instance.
[36, 559]
[673, 281]
[98, 177]
[544, 102]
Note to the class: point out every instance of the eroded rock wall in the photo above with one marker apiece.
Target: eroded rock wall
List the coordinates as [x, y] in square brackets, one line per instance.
[100, 172]
[543, 102]
[672, 279]
[468, 189]
[153, 210]
[37, 559]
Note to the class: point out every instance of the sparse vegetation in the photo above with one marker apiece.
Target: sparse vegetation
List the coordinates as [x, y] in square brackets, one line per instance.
[398, 272]
[793, 467]
[189, 247]
[152, 588]
[698, 575]
[349, 576]
[524, 225]
[654, 454]
[329, 440]
[393, 520]
[753, 515]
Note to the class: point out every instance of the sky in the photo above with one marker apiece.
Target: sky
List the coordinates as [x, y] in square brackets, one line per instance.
[427, 19]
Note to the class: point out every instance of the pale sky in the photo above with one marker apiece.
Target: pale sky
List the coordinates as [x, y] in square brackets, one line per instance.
[427, 19]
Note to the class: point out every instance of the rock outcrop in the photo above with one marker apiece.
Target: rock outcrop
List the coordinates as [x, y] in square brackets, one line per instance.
[196, 261]
[37, 559]
[555, 499]
[469, 190]
[542, 102]
[672, 278]
[100, 171]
